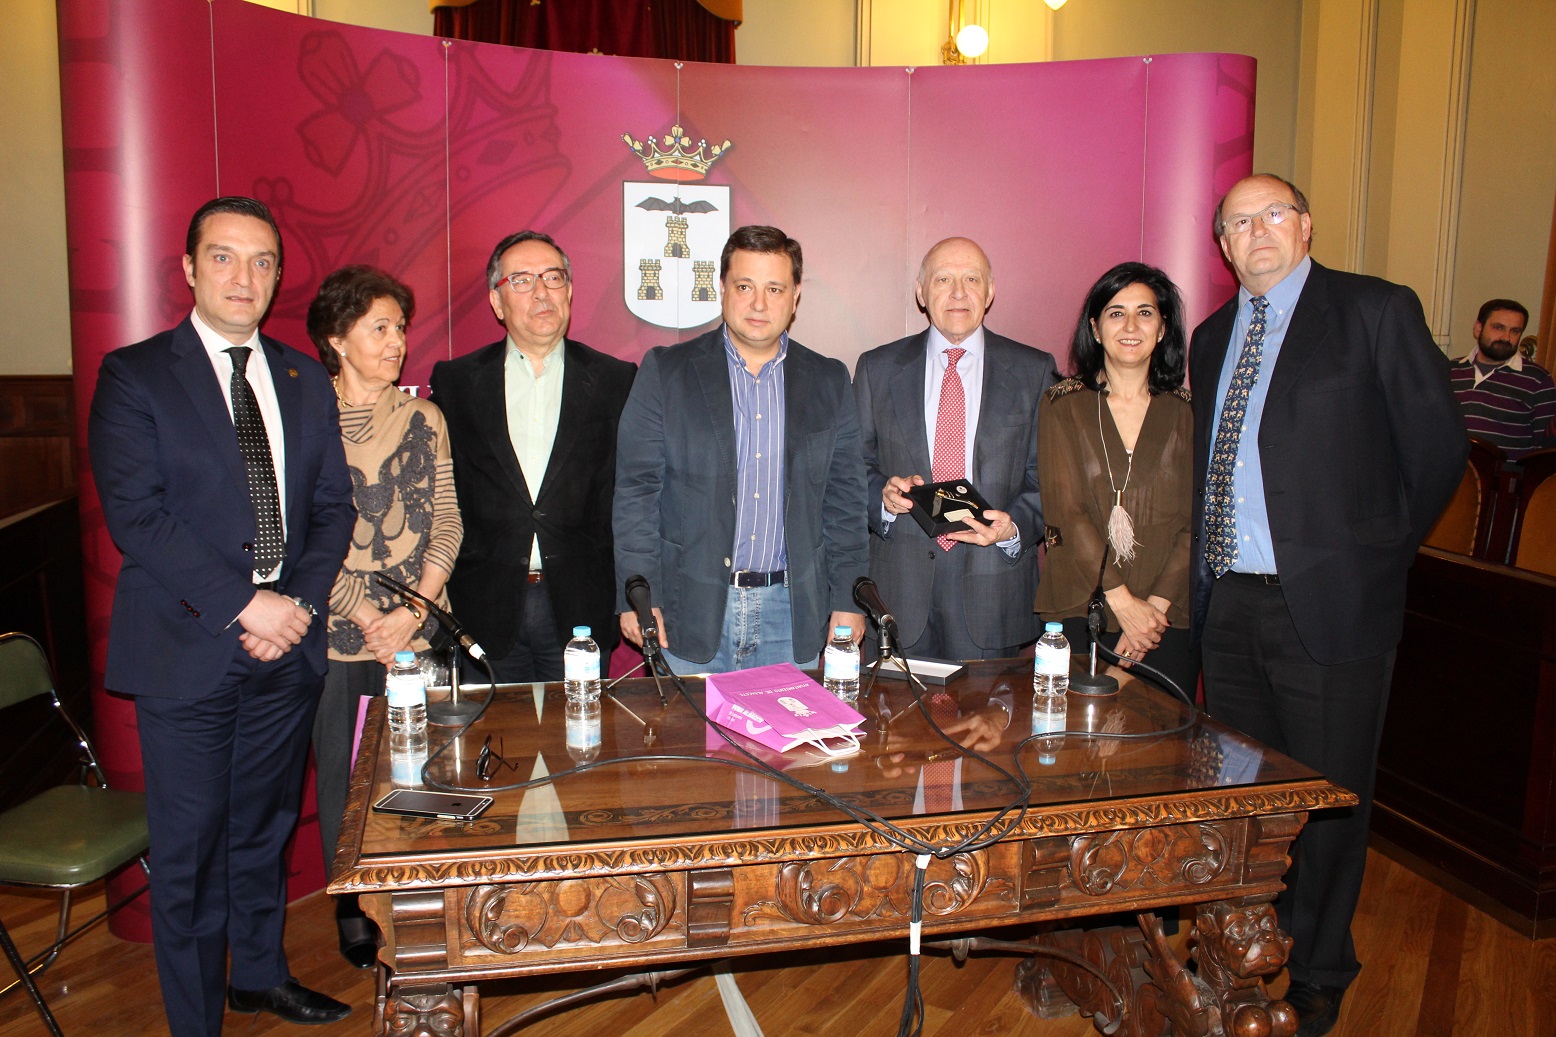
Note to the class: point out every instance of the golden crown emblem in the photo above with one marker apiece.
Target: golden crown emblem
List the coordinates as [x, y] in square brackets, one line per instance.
[676, 160]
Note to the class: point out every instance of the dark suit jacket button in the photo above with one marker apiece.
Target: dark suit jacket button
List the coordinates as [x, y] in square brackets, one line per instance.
[538, 514]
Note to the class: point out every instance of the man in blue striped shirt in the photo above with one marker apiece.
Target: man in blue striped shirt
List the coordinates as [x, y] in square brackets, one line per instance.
[740, 485]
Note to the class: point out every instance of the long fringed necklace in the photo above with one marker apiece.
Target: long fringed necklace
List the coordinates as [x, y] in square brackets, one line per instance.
[1121, 528]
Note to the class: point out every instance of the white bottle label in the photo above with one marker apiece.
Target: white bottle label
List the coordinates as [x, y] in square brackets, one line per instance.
[841, 665]
[1051, 661]
[580, 666]
[405, 691]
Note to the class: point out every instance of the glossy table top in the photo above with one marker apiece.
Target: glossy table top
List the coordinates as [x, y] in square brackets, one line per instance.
[662, 777]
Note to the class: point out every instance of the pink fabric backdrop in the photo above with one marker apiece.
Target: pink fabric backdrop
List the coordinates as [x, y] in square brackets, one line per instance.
[417, 154]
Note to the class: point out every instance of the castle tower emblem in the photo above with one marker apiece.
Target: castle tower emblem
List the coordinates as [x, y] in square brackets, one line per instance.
[673, 230]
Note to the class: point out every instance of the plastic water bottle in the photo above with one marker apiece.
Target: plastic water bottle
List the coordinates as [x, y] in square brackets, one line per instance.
[583, 729]
[1048, 734]
[1051, 673]
[407, 693]
[581, 668]
[840, 666]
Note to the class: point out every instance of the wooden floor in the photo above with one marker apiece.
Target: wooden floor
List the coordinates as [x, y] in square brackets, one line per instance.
[1435, 966]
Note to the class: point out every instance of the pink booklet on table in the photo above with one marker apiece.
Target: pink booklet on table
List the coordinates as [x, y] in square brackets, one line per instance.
[782, 708]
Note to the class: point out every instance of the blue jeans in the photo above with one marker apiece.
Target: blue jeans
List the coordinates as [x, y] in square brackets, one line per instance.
[757, 632]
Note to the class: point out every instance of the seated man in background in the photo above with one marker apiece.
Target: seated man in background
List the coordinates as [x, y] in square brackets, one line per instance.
[1507, 400]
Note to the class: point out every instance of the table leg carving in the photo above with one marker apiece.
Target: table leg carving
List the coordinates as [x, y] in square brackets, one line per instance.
[439, 1011]
[1236, 944]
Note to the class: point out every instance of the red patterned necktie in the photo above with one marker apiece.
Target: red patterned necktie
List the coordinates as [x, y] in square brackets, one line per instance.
[940, 775]
[950, 457]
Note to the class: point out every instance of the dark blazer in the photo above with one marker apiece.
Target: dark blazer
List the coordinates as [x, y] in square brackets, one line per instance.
[175, 499]
[570, 512]
[1361, 446]
[675, 491]
[997, 590]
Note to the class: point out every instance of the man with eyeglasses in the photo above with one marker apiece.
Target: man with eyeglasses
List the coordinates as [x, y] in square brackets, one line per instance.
[1327, 443]
[532, 422]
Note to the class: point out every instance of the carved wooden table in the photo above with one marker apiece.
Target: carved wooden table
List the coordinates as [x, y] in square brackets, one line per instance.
[664, 856]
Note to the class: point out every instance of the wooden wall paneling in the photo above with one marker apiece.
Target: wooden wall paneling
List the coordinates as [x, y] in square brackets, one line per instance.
[37, 433]
[41, 594]
[1468, 758]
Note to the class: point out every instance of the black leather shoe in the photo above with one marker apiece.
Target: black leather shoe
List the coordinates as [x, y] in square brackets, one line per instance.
[1318, 1008]
[358, 941]
[291, 1001]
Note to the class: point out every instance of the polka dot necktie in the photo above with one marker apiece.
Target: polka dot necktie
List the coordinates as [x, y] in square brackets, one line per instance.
[950, 458]
[1220, 517]
[254, 445]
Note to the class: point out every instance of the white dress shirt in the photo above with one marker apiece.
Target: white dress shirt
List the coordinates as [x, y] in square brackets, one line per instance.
[258, 374]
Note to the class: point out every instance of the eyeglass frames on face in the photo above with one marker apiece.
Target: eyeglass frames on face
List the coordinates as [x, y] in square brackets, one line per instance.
[524, 282]
[1272, 216]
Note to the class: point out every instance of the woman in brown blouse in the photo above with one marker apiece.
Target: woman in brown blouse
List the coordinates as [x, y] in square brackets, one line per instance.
[408, 526]
[1114, 460]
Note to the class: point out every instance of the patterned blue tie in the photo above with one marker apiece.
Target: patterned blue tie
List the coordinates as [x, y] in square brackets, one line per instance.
[1220, 519]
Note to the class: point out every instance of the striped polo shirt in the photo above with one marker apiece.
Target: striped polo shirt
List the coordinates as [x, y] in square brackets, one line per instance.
[1513, 405]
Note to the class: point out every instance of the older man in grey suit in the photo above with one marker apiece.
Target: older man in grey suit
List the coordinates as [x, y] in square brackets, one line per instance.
[955, 401]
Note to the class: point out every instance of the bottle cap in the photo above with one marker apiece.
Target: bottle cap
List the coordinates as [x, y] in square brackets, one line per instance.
[1053, 628]
[842, 632]
[581, 631]
[405, 657]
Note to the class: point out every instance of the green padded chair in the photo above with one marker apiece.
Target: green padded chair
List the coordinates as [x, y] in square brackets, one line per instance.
[68, 836]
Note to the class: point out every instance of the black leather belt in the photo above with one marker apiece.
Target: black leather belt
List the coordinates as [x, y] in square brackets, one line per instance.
[1268, 579]
[747, 578]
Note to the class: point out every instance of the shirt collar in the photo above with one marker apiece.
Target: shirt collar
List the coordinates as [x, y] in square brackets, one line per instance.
[1512, 363]
[552, 362]
[214, 343]
[736, 360]
[938, 343]
[1284, 295]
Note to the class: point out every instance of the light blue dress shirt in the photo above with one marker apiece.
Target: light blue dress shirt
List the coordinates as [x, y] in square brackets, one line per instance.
[1255, 548]
[759, 431]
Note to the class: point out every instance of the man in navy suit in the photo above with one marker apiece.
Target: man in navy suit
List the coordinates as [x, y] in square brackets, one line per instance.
[532, 422]
[217, 456]
[1327, 443]
[969, 397]
[740, 491]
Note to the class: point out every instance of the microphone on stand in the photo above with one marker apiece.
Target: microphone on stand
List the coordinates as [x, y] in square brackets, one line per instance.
[457, 710]
[445, 619]
[1092, 682]
[868, 597]
[641, 600]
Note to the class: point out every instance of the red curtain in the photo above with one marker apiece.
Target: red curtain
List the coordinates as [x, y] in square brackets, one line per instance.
[684, 30]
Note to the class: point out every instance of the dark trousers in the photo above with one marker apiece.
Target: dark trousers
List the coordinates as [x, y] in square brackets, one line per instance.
[1261, 680]
[224, 778]
[536, 654]
[946, 635]
[333, 727]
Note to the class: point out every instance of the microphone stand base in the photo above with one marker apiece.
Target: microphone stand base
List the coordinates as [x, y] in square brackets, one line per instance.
[1094, 685]
[452, 714]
